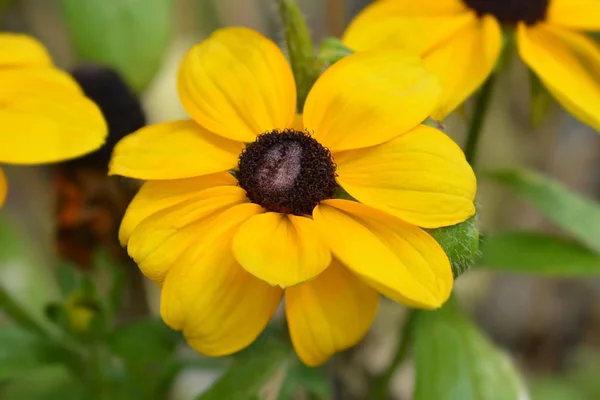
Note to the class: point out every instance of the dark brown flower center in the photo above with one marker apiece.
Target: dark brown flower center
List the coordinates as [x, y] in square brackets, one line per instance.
[287, 171]
[511, 11]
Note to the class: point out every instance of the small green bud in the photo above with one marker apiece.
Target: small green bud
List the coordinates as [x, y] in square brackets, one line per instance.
[461, 244]
[302, 58]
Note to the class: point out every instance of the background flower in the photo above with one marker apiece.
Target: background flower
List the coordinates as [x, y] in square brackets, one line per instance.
[44, 115]
[461, 41]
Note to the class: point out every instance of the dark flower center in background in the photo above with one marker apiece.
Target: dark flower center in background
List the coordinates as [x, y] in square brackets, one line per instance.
[287, 172]
[511, 11]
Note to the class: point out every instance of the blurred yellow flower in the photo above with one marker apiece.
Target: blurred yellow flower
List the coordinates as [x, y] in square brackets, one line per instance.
[44, 116]
[460, 41]
[226, 247]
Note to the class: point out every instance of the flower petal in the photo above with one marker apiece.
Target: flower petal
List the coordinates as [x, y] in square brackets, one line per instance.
[281, 249]
[390, 25]
[49, 126]
[576, 14]
[173, 150]
[17, 50]
[330, 313]
[400, 260]
[464, 62]
[569, 65]
[3, 187]
[18, 82]
[159, 240]
[220, 307]
[155, 196]
[421, 177]
[369, 98]
[238, 84]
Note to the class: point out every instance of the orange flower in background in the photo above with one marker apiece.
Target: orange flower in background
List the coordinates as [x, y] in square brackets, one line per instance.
[240, 209]
[461, 40]
[44, 116]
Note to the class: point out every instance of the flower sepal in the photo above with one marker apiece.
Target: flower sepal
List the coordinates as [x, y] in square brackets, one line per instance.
[332, 50]
[460, 243]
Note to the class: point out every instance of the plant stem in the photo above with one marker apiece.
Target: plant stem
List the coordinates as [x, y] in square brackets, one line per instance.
[381, 385]
[478, 118]
[19, 315]
[299, 43]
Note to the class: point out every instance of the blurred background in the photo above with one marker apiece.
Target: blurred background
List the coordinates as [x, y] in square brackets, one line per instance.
[59, 264]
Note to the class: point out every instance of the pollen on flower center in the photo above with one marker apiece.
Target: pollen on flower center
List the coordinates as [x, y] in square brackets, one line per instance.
[511, 11]
[287, 171]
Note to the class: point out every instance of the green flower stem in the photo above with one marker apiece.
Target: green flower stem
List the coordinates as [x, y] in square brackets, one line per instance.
[19, 316]
[478, 118]
[302, 57]
[381, 385]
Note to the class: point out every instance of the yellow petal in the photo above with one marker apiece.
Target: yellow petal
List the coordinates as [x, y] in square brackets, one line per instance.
[418, 8]
[159, 240]
[421, 177]
[3, 187]
[281, 249]
[464, 62]
[49, 126]
[390, 25]
[18, 82]
[568, 63]
[330, 313]
[576, 14]
[238, 84]
[173, 150]
[220, 307]
[17, 50]
[155, 196]
[369, 98]
[400, 260]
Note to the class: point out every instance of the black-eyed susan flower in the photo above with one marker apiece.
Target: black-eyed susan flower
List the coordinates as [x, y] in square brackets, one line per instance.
[44, 116]
[460, 41]
[240, 206]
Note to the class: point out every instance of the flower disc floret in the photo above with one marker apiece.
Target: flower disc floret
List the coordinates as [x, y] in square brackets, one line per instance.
[287, 171]
[511, 11]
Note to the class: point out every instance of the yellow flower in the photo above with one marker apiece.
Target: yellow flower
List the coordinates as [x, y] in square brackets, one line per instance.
[226, 249]
[44, 116]
[461, 40]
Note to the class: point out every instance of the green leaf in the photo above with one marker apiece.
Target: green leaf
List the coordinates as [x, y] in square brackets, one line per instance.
[538, 253]
[570, 211]
[454, 360]
[332, 50]
[311, 380]
[144, 341]
[257, 366]
[22, 351]
[47, 383]
[461, 244]
[131, 36]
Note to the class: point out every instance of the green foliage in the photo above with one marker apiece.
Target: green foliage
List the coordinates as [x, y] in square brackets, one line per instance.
[22, 351]
[538, 253]
[130, 35]
[302, 378]
[252, 371]
[50, 382]
[454, 360]
[461, 244]
[570, 211]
